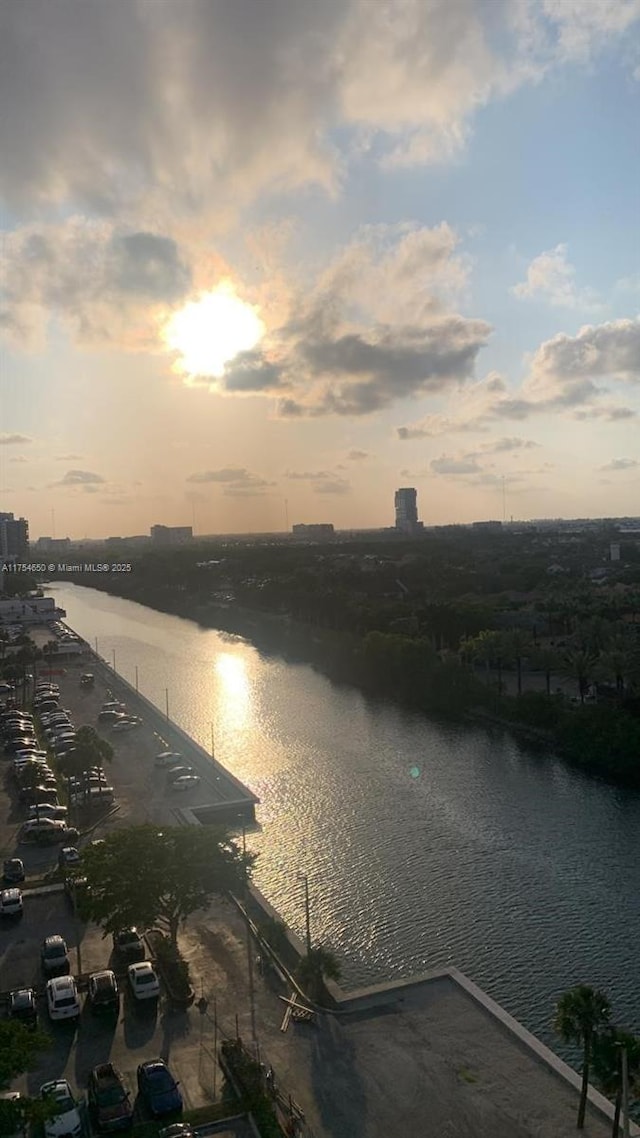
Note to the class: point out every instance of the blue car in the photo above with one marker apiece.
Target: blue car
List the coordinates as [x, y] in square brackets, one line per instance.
[158, 1088]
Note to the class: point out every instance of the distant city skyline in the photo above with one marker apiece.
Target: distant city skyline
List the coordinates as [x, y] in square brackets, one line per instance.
[259, 266]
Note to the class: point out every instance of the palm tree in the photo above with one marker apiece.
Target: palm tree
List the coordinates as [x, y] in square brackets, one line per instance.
[517, 643]
[580, 665]
[607, 1066]
[319, 964]
[580, 1014]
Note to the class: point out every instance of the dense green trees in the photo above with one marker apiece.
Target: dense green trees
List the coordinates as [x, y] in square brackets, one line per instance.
[143, 876]
[20, 1047]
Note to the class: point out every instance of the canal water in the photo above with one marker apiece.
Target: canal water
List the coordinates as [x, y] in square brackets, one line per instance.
[425, 845]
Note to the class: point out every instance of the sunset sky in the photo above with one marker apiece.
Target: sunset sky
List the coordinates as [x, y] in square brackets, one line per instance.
[258, 251]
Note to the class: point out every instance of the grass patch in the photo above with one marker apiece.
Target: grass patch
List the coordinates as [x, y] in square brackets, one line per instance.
[467, 1076]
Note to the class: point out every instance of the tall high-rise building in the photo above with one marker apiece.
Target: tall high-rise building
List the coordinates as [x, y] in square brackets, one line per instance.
[14, 538]
[406, 503]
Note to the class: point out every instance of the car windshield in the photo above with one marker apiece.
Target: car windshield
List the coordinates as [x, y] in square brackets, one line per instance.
[161, 1079]
[65, 1001]
[62, 1098]
[144, 977]
[21, 1001]
[52, 951]
[111, 1096]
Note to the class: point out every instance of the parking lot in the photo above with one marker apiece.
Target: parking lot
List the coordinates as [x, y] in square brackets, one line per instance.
[184, 1039]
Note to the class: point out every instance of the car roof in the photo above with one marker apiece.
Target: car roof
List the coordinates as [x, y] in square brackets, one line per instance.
[62, 982]
[10, 894]
[141, 966]
[55, 939]
[22, 996]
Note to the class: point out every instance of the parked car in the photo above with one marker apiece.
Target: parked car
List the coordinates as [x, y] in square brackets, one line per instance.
[99, 795]
[109, 1100]
[54, 956]
[22, 1006]
[87, 680]
[185, 782]
[48, 810]
[158, 1088]
[68, 855]
[13, 871]
[63, 1001]
[129, 945]
[177, 1130]
[178, 772]
[143, 981]
[68, 1123]
[109, 716]
[46, 791]
[103, 992]
[11, 903]
[48, 832]
[125, 725]
[168, 759]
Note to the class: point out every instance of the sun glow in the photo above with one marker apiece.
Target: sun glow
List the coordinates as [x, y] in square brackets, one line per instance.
[210, 332]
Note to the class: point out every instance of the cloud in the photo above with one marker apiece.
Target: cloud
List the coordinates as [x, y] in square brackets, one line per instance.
[551, 277]
[566, 370]
[509, 444]
[18, 458]
[80, 478]
[357, 455]
[226, 474]
[7, 440]
[620, 464]
[446, 464]
[67, 457]
[322, 481]
[150, 108]
[611, 412]
[307, 475]
[236, 481]
[106, 284]
[333, 486]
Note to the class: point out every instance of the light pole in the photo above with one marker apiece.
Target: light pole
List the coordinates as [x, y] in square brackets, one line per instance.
[136, 679]
[166, 702]
[252, 996]
[305, 880]
[96, 644]
[624, 1063]
[213, 741]
[113, 654]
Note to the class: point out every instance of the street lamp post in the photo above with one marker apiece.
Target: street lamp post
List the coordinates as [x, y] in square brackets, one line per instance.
[252, 996]
[305, 880]
[625, 1092]
[166, 702]
[624, 1066]
[113, 654]
[136, 678]
[96, 644]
